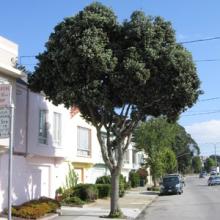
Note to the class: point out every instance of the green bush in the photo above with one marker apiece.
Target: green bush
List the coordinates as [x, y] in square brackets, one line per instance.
[127, 185]
[134, 178]
[73, 201]
[86, 192]
[103, 190]
[103, 180]
[107, 180]
[68, 193]
[153, 188]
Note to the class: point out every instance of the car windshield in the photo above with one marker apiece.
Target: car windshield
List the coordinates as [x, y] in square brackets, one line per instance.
[217, 178]
[171, 179]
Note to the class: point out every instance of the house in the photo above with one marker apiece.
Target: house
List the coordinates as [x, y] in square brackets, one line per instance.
[47, 138]
[8, 76]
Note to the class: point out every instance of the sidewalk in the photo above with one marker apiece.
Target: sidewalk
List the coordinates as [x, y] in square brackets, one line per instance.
[134, 201]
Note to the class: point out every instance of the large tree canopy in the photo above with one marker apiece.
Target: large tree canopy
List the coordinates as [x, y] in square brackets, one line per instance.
[116, 74]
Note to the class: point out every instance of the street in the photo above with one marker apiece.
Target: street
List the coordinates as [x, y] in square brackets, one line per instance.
[198, 202]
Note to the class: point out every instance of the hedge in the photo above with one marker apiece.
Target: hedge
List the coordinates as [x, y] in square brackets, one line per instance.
[72, 201]
[104, 190]
[134, 178]
[86, 192]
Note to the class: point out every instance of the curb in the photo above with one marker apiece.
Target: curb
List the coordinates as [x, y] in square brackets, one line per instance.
[146, 207]
[48, 217]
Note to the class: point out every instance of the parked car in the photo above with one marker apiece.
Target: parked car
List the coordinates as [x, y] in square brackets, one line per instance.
[202, 175]
[171, 184]
[214, 180]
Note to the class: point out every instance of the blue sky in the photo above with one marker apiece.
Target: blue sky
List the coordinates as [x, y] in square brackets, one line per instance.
[29, 23]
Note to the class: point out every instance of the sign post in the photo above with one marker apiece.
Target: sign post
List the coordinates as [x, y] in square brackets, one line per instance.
[6, 131]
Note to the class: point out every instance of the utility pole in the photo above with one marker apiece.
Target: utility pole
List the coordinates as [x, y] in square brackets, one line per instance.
[216, 165]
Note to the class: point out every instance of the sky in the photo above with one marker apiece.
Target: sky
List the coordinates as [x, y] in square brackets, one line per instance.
[29, 24]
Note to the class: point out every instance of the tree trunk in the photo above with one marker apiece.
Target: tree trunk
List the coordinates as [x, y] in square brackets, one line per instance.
[154, 181]
[115, 210]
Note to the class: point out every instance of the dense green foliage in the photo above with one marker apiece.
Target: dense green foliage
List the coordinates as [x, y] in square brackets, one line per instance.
[73, 201]
[71, 178]
[104, 190]
[103, 180]
[107, 180]
[169, 161]
[86, 192]
[164, 143]
[209, 164]
[116, 74]
[196, 164]
[134, 179]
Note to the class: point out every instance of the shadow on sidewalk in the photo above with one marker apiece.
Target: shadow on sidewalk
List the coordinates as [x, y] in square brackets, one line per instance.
[151, 193]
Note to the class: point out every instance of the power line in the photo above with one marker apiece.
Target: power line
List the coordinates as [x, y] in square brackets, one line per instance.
[210, 99]
[207, 60]
[203, 113]
[200, 40]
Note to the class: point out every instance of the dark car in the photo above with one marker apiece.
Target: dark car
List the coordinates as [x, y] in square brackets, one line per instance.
[171, 184]
[202, 175]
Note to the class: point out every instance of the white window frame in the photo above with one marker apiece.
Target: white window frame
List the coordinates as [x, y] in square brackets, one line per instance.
[57, 128]
[43, 135]
[84, 151]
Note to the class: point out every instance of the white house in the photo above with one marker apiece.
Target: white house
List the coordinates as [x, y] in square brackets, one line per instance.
[8, 76]
[46, 139]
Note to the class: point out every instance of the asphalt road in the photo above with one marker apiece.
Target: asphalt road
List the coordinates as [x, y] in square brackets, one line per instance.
[198, 202]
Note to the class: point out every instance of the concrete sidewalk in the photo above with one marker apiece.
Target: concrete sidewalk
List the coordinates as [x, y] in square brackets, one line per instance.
[134, 201]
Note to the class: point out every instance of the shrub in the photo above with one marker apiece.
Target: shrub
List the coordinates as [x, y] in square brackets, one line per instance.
[103, 190]
[35, 208]
[127, 185]
[103, 180]
[153, 188]
[71, 178]
[68, 193]
[107, 180]
[134, 178]
[73, 201]
[86, 192]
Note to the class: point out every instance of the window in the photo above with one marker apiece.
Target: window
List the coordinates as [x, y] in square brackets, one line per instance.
[57, 128]
[42, 136]
[140, 159]
[134, 157]
[83, 141]
[126, 156]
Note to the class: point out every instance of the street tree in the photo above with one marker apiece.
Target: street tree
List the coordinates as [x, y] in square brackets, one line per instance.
[209, 164]
[196, 164]
[169, 160]
[185, 148]
[156, 137]
[116, 74]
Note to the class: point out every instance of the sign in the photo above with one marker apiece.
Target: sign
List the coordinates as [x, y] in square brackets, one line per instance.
[5, 95]
[4, 122]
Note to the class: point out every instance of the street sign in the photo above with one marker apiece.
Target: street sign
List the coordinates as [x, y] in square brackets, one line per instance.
[4, 122]
[5, 95]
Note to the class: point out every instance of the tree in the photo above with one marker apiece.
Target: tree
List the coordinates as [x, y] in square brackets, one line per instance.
[169, 160]
[116, 74]
[155, 137]
[185, 148]
[209, 164]
[196, 164]
[165, 144]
